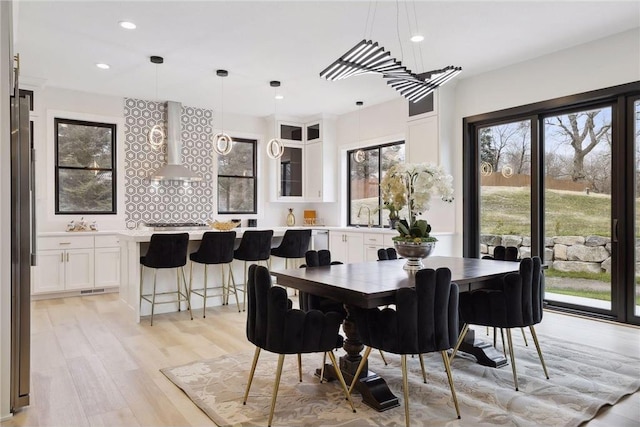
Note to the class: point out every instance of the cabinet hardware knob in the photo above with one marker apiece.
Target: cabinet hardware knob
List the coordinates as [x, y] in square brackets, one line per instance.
[67, 256]
[65, 243]
[62, 257]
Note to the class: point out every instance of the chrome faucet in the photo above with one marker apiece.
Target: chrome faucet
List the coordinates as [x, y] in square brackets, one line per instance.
[369, 214]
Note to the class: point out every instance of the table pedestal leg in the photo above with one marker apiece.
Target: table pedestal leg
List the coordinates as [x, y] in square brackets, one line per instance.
[373, 388]
[486, 354]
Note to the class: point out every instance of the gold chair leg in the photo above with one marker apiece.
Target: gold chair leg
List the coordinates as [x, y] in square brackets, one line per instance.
[504, 349]
[244, 294]
[153, 297]
[300, 366]
[190, 279]
[447, 367]
[232, 279]
[405, 389]
[535, 340]
[341, 378]
[324, 361]
[141, 276]
[384, 359]
[256, 355]
[513, 359]
[465, 328]
[365, 356]
[178, 288]
[184, 280]
[204, 297]
[524, 337]
[424, 374]
[275, 388]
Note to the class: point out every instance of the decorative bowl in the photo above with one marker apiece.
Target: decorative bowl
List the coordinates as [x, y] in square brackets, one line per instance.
[224, 226]
[414, 253]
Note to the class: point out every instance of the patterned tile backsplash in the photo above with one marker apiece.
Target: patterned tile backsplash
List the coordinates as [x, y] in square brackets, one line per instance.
[167, 201]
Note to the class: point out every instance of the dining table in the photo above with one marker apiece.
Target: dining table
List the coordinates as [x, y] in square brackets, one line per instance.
[374, 284]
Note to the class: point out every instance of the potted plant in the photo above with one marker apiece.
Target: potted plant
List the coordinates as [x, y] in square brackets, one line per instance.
[413, 185]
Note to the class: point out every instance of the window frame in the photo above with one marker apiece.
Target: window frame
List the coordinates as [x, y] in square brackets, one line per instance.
[254, 177]
[113, 169]
[378, 147]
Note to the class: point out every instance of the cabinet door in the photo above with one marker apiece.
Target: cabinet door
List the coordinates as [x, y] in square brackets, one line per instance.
[107, 269]
[290, 172]
[78, 269]
[338, 246]
[313, 172]
[48, 275]
[313, 132]
[371, 252]
[355, 247]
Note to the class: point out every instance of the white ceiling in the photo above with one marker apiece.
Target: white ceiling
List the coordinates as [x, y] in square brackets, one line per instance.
[61, 41]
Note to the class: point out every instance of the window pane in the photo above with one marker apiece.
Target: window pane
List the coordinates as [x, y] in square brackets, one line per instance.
[239, 162]
[505, 187]
[291, 132]
[84, 145]
[236, 195]
[365, 189]
[636, 129]
[84, 191]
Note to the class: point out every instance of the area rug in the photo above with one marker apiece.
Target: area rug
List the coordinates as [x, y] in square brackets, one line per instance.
[582, 380]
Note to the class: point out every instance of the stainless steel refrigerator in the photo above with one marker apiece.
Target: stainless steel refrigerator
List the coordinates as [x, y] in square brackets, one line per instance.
[22, 244]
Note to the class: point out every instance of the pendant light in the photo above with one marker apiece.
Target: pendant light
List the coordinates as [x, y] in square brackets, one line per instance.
[156, 136]
[275, 148]
[359, 156]
[222, 143]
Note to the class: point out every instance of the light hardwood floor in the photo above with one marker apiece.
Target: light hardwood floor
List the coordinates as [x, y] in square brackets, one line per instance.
[92, 366]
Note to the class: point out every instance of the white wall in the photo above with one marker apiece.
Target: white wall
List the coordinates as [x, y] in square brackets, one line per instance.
[5, 211]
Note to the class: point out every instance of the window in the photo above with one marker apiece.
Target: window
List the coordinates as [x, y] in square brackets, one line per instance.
[85, 161]
[364, 179]
[237, 179]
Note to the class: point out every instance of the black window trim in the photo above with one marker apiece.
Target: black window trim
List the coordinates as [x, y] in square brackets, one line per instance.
[254, 177]
[113, 169]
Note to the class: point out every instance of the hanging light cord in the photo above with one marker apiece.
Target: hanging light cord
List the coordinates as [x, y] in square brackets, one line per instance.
[415, 17]
[398, 30]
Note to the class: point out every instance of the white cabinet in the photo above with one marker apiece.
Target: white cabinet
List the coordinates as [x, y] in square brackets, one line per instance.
[346, 246]
[313, 185]
[107, 261]
[64, 263]
[372, 242]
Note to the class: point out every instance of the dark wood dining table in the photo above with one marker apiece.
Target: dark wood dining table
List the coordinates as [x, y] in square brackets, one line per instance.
[374, 284]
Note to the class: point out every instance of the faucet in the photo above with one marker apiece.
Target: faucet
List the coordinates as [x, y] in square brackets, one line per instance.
[369, 214]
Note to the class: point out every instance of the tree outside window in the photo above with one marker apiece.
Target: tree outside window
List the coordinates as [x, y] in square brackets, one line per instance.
[85, 161]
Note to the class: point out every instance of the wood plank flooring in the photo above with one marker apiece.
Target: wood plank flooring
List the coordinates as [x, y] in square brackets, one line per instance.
[91, 366]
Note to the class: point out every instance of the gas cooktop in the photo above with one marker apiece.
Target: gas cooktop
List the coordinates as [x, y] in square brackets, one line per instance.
[170, 226]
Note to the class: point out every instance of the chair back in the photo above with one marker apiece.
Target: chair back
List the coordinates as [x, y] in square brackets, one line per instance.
[319, 258]
[385, 254]
[524, 293]
[425, 318]
[309, 301]
[255, 245]
[275, 327]
[216, 247]
[294, 244]
[166, 251]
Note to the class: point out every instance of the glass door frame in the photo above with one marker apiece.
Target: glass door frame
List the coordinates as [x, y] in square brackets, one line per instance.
[621, 99]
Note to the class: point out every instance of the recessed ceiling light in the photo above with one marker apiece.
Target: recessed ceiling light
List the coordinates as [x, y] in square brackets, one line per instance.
[279, 96]
[103, 66]
[417, 38]
[127, 25]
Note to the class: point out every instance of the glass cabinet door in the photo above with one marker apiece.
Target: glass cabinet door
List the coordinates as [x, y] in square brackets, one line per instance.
[291, 132]
[313, 132]
[291, 172]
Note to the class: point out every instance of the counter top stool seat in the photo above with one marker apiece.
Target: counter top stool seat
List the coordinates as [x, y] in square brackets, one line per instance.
[166, 251]
[216, 248]
[294, 244]
[255, 247]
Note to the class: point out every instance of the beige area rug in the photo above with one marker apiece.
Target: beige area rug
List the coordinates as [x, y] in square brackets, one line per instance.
[582, 380]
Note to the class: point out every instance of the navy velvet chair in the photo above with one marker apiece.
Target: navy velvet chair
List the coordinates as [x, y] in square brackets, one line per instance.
[518, 303]
[255, 246]
[216, 248]
[425, 321]
[166, 251]
[274, 327]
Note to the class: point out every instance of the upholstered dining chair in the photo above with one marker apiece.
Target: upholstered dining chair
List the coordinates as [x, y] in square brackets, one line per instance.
[166, 251]
[516, 305]
[255, 246]
[385, 254]
[425, 321]
[274, 327]
[216, 248]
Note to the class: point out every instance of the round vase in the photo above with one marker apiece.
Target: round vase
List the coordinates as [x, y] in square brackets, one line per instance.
[291, 219]
[414, 253]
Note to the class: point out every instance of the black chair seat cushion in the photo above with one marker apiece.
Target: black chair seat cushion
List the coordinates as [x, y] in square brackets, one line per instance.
[517, 304]
[425, 319]
[215, 248]
[255, 245]
[294, 244]
[166, 251]
[273, 326]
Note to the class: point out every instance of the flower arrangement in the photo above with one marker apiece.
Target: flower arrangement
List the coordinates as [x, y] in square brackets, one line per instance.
[412, 185]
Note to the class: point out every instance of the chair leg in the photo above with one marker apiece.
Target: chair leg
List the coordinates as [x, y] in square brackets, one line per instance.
[232, 279]
[447, 367]
[513, 359]
[153, 297]
[178, 288]
[424, 374]
[244, 287]
[275, 388]
[190, 279]
[204, 297]
[504, 349]
[384, 359]
[336, 367]
[405, 389]
[184, 280]
[535, 340]
[324, 361]
[256, 355]
[465, 328]
[495, 339]
[141, 276]
[300, 366]
[365, 356]
[524, 337]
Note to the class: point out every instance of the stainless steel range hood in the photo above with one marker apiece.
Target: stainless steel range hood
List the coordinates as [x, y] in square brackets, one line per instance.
[174, 170]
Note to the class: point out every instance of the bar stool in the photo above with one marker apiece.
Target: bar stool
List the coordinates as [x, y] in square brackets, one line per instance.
[255, 246]
[295, 243]
[166, 251]
[216, 248]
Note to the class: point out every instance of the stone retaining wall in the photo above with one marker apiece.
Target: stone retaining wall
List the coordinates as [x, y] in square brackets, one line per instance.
[564, 253]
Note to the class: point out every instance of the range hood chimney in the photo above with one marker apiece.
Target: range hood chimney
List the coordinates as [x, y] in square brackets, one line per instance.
[173, 170]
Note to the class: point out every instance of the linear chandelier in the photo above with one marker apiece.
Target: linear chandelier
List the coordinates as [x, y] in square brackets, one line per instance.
[368, 57]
